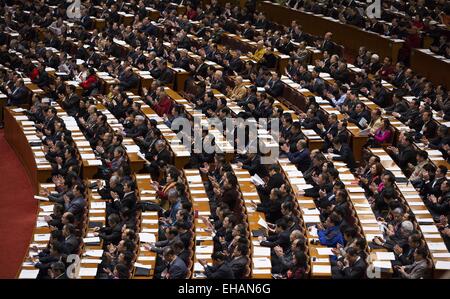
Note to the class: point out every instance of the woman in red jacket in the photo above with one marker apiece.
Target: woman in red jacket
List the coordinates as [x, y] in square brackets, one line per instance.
[91, 80]
[190, 12]
[164, 105]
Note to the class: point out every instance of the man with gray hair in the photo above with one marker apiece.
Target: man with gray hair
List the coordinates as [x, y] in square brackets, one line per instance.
[397, 236]
[158, 160]
[113, 185]
[283, 260]
[57, 271]
[139, 128]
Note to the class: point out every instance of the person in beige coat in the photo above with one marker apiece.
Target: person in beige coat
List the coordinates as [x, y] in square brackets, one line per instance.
[239, 91]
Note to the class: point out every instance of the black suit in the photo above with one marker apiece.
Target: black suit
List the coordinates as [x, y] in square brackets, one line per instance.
[281, 239]
[166, 77]
[177, 269]
[111, 235]
[355, 271]
[327, 46]
[238, 266]
[248, 34]
[18, 96]
[137, 131]
[275, 181]
[357, 117]
[406, 155]
[71, 104]
[346, 155]
[222, 271]
[127, 201]
[129, 82]
[430, 129]
[71, 244]
[254, 166]
[76, 207]
[275, 88]
[42, 80]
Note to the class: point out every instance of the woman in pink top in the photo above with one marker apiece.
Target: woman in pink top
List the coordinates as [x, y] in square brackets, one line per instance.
[382, 135]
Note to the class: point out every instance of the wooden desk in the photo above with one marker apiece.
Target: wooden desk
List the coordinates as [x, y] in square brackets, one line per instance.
[29, 156]
[423, 218]
[249, 196]
[149, 225]
[351, 37]
[431, 66]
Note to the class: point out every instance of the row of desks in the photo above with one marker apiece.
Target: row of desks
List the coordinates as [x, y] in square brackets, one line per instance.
[261, 262]
[351, 37]
[365, 219]
[425, 223]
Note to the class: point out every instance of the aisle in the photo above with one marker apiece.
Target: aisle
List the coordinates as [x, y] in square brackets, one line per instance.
[17, 211]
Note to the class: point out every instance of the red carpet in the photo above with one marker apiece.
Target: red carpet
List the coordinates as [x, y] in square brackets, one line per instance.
[17, 211]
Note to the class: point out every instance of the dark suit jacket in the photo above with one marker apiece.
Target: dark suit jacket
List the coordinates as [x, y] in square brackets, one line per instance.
[111, 235]
[128, 201]
[222, 271]
[238, 265]
[300, 159]
[430, 130]
[76, 207]
[254, 166]
[275, 88]
[248, 33]
[355, 271]
[166, 77]
[281, 239]
[42, 80]
[346, 155]
[19, 96]
[177, 269]
[71, 105]
[71, 244]
[405, 156]
[129, 82]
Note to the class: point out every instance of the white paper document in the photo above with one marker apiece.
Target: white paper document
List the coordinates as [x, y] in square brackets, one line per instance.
[147, 238]
[324, 251]
[385, 256]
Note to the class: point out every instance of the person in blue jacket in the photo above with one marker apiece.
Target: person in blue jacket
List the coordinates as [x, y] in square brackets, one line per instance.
[331, 235]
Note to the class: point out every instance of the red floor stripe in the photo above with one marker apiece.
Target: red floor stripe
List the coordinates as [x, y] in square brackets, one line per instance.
[17, 211]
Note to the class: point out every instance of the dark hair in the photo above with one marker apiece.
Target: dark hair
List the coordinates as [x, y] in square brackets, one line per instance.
[113, 218]
[218, 256]
[361, 243]
[123, 271]
[335, 219]
[129, 245]
[282, 223]
[352, 251]
[242, 248]
[423, 154]
[300, 258]
[422, 251]
[443, 169]
[351, 232]
[128, 258]
[178, 245]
